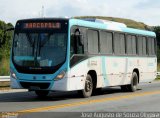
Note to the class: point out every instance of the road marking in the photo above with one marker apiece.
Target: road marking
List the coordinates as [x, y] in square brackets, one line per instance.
[133, 95]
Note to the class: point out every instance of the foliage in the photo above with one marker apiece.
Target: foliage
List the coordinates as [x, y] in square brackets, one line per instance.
[128, 22]
[5, 45]
[157, 31]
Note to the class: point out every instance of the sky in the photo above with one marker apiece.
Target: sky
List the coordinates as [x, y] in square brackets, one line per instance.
[147, 11]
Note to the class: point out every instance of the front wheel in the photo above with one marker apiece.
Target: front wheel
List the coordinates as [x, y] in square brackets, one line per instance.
[87, 91]
[41, 93]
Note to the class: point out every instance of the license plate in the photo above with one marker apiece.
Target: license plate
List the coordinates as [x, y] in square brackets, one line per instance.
[34, 88]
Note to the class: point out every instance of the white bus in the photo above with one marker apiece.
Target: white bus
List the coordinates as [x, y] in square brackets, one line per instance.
[55, 54]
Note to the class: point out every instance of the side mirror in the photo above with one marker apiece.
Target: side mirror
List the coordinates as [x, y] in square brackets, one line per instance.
[80, 40]
[79, 37]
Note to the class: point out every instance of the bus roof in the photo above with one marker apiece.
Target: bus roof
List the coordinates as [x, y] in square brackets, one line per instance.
[99, 25]
[110, 26]
[41, 19]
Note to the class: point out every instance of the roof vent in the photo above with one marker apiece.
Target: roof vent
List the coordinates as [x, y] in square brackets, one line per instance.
[107, 22]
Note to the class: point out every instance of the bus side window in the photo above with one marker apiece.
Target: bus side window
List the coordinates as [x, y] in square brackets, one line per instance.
[144, 46]
[72, 49]
[134, 45]
[79, 47]
[119, 44]
[151, 46]
[106, 42]
[129, 44]
[76, 46]
[92, 41]
[140, 45]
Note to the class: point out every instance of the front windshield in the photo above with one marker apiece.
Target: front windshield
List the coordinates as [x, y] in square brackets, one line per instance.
[39, 49]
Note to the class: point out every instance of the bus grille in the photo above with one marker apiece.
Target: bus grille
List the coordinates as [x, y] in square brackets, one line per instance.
[29, 84]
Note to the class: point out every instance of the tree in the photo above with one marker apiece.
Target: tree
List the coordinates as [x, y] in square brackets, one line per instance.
[157, 31]
[5, 37]
[5, 45]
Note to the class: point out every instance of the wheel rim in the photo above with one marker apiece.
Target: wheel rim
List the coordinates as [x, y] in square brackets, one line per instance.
[88, 85]
[135, 82]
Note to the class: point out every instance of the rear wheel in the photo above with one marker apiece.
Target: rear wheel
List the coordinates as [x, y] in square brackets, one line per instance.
[42, 93]
[97, 91]
[133, 86]
[87, 91]
[124, 88]
[134, 83]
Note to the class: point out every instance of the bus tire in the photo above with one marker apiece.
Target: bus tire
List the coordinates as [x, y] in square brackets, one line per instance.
[134, 83]
[124, 88]
[97, 91]
[88, 88]
[41, 93]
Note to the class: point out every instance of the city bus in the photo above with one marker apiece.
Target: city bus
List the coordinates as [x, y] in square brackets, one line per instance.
[84, 55]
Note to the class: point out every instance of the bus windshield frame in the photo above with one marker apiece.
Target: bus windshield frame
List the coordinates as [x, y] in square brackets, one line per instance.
[38, 36]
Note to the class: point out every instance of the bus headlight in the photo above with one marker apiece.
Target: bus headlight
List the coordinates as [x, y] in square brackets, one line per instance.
[13, 75]
[60, 75]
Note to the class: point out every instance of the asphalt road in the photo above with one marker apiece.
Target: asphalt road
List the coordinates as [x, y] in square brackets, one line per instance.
[146, 99]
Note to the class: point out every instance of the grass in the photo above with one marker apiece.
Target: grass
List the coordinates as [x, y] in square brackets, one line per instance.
[4, 67]
[4, 70]
[158, 78]
[158, 67]
[128, 22]
[8, 115]
[158, 70]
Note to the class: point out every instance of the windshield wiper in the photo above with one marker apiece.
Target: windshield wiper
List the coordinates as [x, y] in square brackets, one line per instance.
[43, 42]
[29, 39]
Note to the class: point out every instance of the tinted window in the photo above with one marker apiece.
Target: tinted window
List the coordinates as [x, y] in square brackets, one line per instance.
[76, 48]
[134, 49]
[144, 46]
[106, 42]
[39, 49]
[92, 41]
[117, 46]
[151, 46]
[129, 44]
[140, 45]
[122, 38]
[119, 43]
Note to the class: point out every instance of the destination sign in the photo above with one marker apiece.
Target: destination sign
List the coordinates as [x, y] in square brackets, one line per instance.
[42, 25]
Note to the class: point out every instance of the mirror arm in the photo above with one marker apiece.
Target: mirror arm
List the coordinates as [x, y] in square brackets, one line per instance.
[10, 29]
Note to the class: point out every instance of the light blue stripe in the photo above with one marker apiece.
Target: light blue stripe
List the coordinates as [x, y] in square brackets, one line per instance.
[104, 71]
[19, 58]
[136, 31]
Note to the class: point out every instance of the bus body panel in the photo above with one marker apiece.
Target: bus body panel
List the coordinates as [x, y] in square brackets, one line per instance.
[111, 70]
